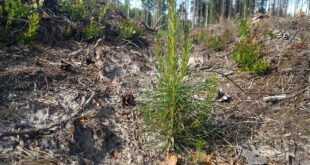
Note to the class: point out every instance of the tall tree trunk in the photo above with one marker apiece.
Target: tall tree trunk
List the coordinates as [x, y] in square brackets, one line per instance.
[186, 11]
[182, 14]
[244, 9]
[255, 6]
[211, 13]
[158, 9]
[237, 7]
[128, 7]
[262, 6]
[206, 12]
[286, 5]
[200, 14]
[274, 7]
[229, 9]
[222, 11]
[154, 13]
[279, 7]
[194, 14]
[270, 8]
[250, 6]
[116, 4]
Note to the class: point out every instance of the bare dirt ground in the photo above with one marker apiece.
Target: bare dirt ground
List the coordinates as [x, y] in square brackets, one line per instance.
[70, 102]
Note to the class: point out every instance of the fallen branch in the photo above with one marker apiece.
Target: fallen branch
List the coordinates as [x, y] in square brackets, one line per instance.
[46, 129]
[275, 98]
[283, 96]
[157, 22]
[226, 76]
[90, 50]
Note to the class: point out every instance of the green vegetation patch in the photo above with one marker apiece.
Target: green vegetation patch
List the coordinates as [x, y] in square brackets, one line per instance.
[218, 43]
[93, 31]
[130, 29]
[247, 52]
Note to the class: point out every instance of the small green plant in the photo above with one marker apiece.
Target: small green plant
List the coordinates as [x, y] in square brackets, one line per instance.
[178, 110]
[93, 31]
[76, 11]
[244, 28]
[247, 52]
[15, 11]
[271, 34]
[130, 29]
[218, 43]
[28, 37]
[103, 10]
[68, 32]
[200, 37]
[199, 145]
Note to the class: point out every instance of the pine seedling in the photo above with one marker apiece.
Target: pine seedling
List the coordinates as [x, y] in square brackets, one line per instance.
[177, 111]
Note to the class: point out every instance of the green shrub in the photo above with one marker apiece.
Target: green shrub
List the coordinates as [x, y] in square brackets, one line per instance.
[244, 28]
[93, 31]
[173, 110]
[28, 37]
[68, 32]
[15, 12]
[247, 52]
[271, 34]
[199, 38]
[103, 10]
[15, 9]
[218, 43]
[76, 12]
[130, 29]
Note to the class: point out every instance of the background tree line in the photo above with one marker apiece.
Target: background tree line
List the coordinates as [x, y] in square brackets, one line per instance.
[204, 12]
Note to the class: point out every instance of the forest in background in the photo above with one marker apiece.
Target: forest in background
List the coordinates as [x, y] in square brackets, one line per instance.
[210, 11]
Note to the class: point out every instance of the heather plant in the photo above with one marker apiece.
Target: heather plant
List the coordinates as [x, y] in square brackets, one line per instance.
[103, 10]
[93, 30]
[218, 43]
[271, 34]
[28, 36]
[76, 11]
[247, 52]
[178, 109]
[244, 28]
[16, 13]
[200, 37]
[68, 32]
[16, 9]
[130, 29]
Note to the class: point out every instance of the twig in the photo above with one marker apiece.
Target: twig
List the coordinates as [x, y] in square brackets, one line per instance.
[95, 46]
[129, 42]
[225, 77]
[17, 19]
[157, 22]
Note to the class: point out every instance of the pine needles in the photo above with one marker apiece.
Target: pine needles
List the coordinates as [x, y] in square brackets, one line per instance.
[178, 110]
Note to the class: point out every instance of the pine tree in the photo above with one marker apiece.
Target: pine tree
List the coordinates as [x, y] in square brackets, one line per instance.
[194, 14]
[222, 11]
[255, 6]
[279, 8]
[206, 12]
[229, 9]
